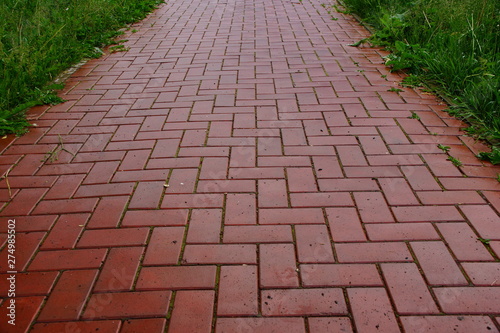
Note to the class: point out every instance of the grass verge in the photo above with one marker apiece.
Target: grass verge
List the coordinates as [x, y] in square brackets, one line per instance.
[40, 38]
[453, 45]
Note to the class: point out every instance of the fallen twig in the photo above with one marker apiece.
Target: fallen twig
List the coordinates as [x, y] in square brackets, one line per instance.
[53, 155]
[5, 176]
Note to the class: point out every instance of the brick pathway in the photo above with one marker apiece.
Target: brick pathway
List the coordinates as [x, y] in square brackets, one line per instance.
[242, 169]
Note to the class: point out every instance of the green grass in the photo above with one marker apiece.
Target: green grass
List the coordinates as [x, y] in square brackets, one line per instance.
[41, 38]
[452, 45]
[493, 156]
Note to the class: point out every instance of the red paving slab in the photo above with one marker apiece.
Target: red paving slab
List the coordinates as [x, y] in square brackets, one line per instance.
[242, 169]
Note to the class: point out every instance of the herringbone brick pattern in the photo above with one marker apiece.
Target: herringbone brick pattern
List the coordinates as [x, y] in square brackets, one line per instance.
[242, 169]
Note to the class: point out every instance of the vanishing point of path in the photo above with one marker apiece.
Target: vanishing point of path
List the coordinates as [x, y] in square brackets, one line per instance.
[242, 169]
